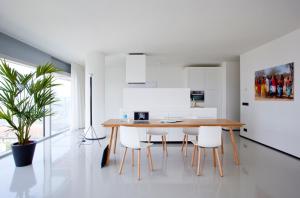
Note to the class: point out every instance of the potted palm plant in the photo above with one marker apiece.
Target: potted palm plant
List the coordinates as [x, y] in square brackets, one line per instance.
[24, 99]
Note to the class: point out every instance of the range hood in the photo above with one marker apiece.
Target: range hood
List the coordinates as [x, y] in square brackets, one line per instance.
[136, 68]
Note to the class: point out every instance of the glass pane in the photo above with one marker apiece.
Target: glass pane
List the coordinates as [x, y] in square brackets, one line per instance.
[36, 130]
[60, 121]
[47, 126]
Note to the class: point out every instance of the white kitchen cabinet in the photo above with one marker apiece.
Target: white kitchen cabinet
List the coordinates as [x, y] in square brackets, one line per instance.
[196, 78]
[209, 80]
[212, 78]
[136, 69]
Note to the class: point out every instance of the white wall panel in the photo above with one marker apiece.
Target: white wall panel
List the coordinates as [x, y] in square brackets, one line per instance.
[143, 98]
[274, 123]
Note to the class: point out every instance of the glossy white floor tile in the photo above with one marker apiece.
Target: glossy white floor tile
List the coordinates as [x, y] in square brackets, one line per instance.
[62, 169]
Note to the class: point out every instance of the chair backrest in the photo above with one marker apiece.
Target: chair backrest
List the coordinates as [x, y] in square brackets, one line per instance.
[209, 136]
[129, 137]
[192, 130]
[156, 129]
[195, 130]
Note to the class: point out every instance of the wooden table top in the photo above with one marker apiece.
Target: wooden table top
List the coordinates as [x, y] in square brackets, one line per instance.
[185, 123]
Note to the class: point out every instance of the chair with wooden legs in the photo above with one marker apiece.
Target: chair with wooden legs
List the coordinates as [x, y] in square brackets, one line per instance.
[188, 132]
[129, 138]
[208, 137]
[194, 132]
[159, 132]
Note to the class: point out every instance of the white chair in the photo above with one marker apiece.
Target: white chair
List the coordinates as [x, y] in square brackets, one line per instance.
[208, 137]
[129, 138]
[187, 133]
[159, 132]
[194, 132]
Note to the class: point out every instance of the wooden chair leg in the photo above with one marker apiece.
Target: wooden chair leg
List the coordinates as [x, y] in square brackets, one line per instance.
[199, 161]
[219, 163]
[150, 159]
[193, 156]
[132, 157]
[122, 162]
[166, 147]
[214, 156]
[222, 145]
[163, 143]
[149, 141]
[186, 144]
[139, 164]
[183, 142]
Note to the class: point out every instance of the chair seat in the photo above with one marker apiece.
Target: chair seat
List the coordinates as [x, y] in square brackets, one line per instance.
[195, 142]
[154, 132]
[190, 132]
[144, 145]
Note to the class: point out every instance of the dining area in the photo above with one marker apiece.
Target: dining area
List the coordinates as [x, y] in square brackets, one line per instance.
[201, 137]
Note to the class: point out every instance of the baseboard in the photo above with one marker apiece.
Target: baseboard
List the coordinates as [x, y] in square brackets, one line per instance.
[225, 129]
[280, 151]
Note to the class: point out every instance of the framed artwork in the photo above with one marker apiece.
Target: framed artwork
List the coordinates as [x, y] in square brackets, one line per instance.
[275, 83]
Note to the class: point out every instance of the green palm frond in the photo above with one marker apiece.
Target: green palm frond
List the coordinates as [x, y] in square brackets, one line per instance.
[46, 69]
[25, 98]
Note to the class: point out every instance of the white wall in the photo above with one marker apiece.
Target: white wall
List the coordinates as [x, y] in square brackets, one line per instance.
[274, 123]
[232, 90]
[114, 84]
[147, 98]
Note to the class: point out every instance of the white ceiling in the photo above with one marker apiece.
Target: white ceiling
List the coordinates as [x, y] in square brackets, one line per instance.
[192, 31]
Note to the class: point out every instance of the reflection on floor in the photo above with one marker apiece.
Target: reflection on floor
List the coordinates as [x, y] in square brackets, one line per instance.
[62, 169]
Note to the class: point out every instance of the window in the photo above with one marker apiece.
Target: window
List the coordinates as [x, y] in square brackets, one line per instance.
[60, 121]
[57, 123]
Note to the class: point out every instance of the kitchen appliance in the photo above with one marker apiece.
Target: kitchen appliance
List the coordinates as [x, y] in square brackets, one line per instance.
[197, 96]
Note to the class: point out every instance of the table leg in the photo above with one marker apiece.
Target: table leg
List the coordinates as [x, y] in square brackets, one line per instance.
[115, 140]
[139, 164]
[110, 145]
[234, 147]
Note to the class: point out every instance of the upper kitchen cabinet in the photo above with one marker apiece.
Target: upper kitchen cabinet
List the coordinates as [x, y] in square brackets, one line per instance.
[195, 78]
[203, 78]
[136, 68]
